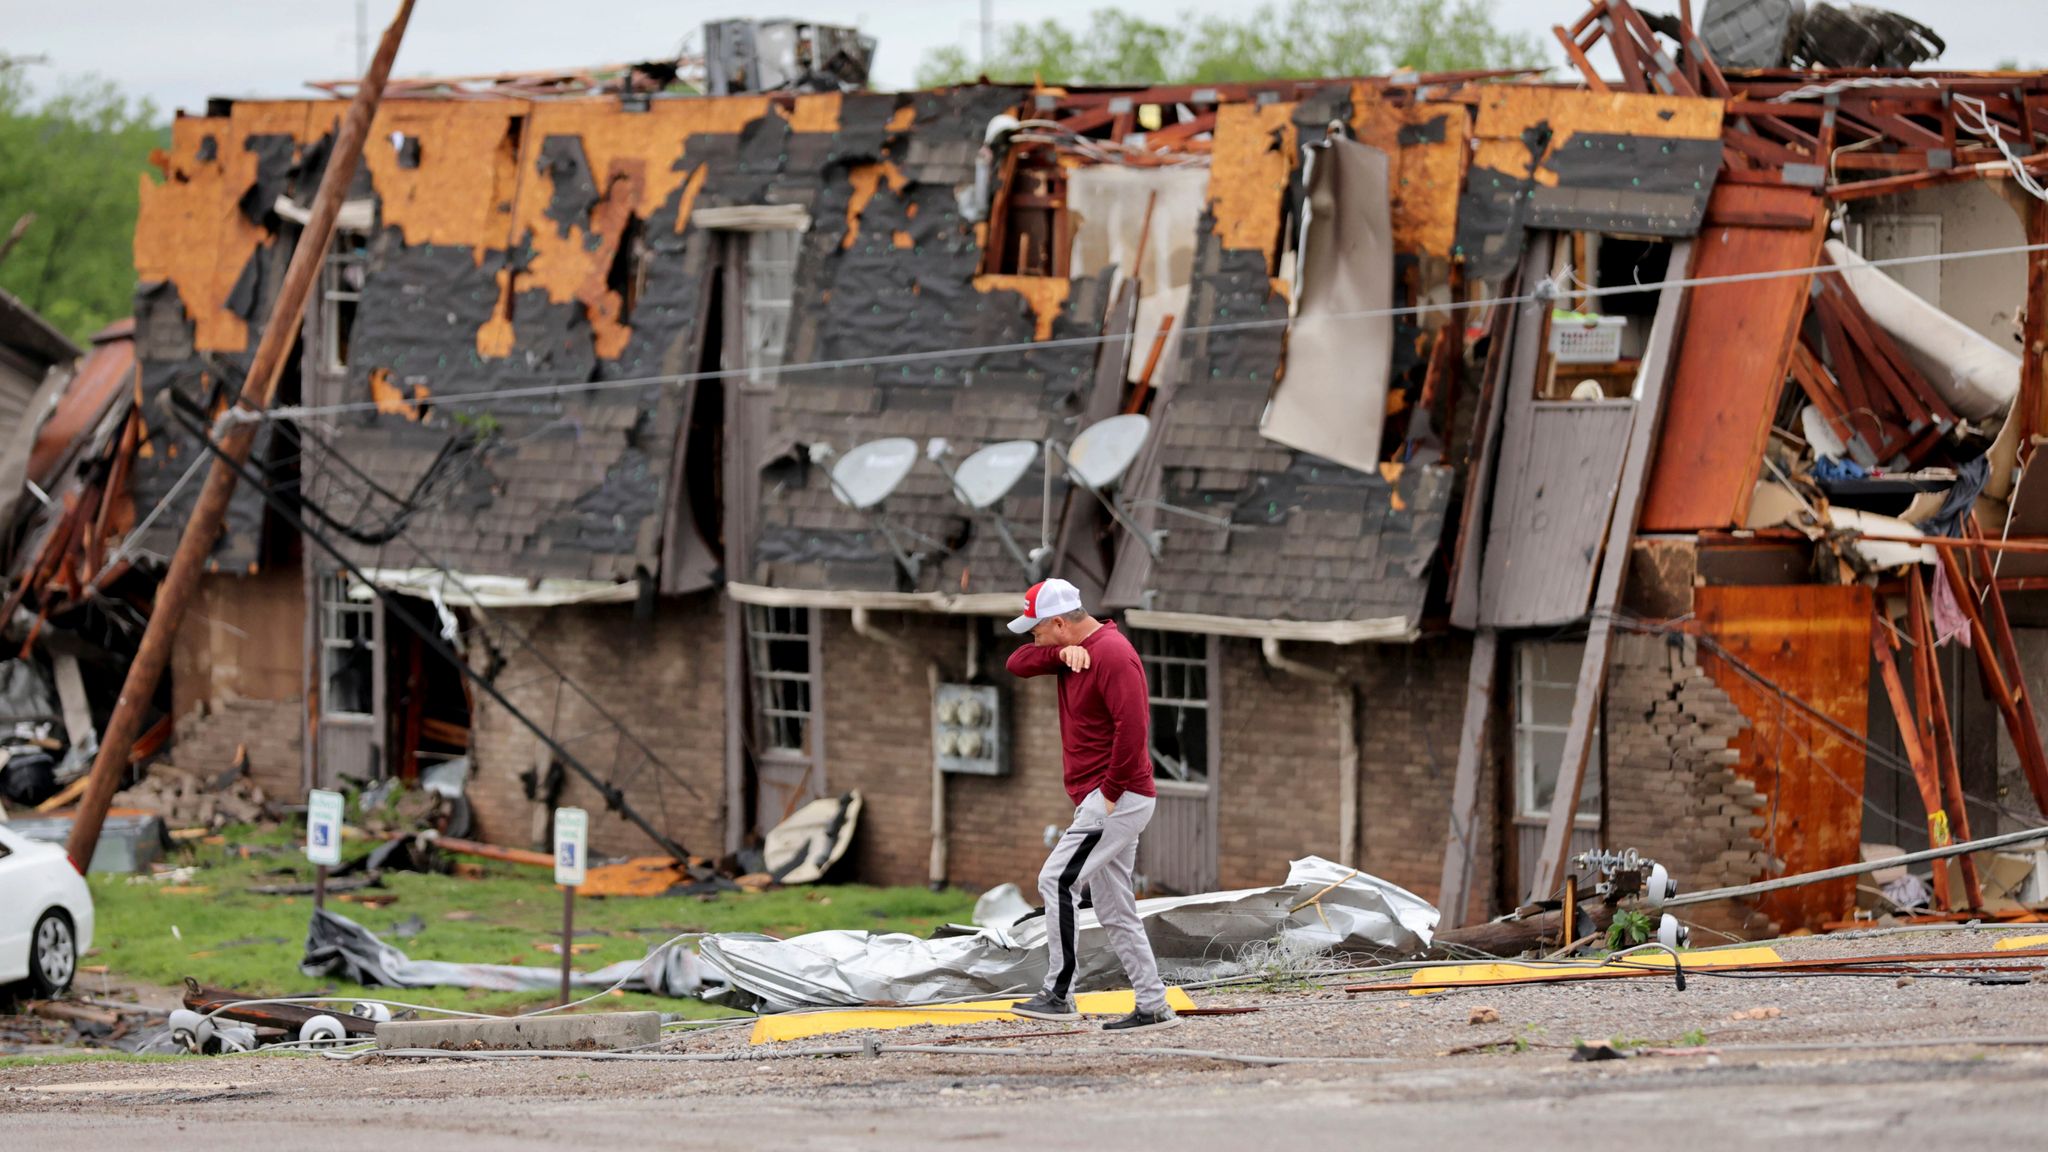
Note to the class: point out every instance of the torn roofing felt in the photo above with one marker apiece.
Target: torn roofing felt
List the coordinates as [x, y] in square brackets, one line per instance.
[893, 261]
[1308, 539]
[507, 236]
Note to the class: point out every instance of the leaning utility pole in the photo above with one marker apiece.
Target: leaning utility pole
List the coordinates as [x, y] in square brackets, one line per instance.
[201, 531]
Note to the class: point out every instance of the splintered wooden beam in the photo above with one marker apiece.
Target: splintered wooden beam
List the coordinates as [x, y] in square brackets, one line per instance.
[1933, 716]
[1579, 59]
[2010, 696]
[1884, 651]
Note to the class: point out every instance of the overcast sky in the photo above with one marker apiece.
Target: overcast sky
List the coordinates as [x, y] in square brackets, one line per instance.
[179, 52]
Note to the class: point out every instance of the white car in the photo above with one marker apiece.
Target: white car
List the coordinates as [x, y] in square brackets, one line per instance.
[45, 914]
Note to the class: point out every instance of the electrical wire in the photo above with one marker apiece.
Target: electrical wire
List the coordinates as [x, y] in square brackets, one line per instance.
[1548, 292]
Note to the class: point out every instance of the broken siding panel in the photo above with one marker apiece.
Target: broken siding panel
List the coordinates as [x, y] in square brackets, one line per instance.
[1733, 356]
[1813, 643]
[1551, 504]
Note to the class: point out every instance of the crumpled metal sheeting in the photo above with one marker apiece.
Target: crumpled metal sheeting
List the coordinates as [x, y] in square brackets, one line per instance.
[1362, 915]
[338, 946]
[1359, 915]
[851, 968]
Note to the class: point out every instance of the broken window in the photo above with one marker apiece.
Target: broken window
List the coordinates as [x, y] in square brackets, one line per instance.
[348, 649]
[1546, 679]
[1177, 682]
[341, 290]
[770, 282]
[779, 645]
[1595, 344]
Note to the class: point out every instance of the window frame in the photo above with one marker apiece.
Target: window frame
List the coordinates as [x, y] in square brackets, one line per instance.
[773, 719]
[1526, 727]
[334, 606]
[350, 249]
[1159, 661]
[767, 289]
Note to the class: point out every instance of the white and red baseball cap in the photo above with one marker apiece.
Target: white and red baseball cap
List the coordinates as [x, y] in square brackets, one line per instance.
[1044, 600]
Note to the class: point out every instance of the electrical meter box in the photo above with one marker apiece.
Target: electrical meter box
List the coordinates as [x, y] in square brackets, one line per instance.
[967, 730]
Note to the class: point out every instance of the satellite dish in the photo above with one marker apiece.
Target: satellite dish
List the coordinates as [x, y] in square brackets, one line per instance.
[1104, 451]
[868, 473]
[989, 474]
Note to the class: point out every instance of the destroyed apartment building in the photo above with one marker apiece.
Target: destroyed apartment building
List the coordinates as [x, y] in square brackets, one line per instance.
[1487, 467]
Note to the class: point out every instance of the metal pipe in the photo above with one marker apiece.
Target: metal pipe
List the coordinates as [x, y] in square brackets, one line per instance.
[181, 580]
[1347, 742]
[1868, 866]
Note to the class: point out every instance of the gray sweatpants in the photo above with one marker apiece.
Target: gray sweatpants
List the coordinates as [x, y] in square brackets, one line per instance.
[1099, 854]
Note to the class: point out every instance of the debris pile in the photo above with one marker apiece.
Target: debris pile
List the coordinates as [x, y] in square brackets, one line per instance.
[185, 800]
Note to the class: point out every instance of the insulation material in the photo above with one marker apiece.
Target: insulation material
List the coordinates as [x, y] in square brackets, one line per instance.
[1111, 205]
[1977, 377]
[1332, 394]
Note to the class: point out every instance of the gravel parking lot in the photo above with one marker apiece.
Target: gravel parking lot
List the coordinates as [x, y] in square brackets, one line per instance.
[1885, 1060]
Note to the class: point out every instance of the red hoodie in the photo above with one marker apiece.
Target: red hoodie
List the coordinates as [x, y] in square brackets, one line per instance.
[1105, 714]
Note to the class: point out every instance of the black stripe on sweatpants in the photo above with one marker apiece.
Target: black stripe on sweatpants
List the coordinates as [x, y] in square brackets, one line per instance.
[1068, 913]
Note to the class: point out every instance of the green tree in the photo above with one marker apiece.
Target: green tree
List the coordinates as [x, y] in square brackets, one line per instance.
[1303, 38]
[72, 161]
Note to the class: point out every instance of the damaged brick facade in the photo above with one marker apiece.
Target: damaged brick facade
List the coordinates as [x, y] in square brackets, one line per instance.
[1673, 791]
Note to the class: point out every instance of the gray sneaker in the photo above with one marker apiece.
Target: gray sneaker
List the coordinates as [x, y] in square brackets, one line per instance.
[1045, 1007]
[1142, 1020]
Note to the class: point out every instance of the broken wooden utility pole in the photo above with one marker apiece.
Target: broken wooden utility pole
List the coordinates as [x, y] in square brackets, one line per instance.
[181, 580]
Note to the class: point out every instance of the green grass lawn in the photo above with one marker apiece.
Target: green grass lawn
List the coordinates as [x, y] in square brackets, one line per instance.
[223, 935]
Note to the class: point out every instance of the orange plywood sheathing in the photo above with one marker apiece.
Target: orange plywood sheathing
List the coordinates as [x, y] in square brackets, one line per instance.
[1507, 111]
[1045, 295]
[608, 222]
[1733, 357]
[442, 200]
[865, 178]
[610, 136]
[190, 230]
[1809, 643]
[814, 113]
[392, 400]
[688, 203]
[1427, 146]
[903, 118]
[1248, 171]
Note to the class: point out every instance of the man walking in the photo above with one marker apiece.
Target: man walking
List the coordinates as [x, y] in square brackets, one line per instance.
[1105, 744]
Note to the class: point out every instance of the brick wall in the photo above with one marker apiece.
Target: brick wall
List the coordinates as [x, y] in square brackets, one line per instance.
[877, 701]
[1672, 789]
[1279, 774]
[664, 678]
[204, 741]
[236, 679]
[1412, 709]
